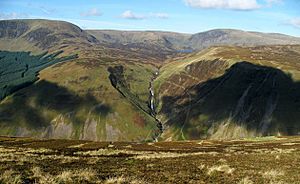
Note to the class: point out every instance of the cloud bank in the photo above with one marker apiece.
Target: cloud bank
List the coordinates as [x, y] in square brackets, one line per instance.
[130, 15]
[224, 4]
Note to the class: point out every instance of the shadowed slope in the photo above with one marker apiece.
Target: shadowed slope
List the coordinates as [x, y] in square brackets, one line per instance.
[35, 109]
[247, 100]
[20, 69]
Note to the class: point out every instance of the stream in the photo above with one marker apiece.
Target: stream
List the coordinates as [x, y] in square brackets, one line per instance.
[153, 108]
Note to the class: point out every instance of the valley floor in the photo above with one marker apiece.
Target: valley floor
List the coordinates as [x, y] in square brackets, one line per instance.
[259, 160]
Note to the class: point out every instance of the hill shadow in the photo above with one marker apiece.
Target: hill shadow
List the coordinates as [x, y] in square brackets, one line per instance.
[21, 69]
[34, 106]
[261, 98]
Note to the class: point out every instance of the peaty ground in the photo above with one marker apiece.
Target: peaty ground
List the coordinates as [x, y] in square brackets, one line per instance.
[259, 160]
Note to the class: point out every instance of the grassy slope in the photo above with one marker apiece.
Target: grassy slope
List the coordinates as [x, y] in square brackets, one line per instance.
[281, 58]
[175, 80]
[99, 85]
[87, 96]
[76, 99]
[73, 91]
[87, 78]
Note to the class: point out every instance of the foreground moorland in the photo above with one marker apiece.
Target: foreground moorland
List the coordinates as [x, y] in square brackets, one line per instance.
[257, 160]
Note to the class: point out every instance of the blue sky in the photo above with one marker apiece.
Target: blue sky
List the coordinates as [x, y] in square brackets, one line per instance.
[188, 16]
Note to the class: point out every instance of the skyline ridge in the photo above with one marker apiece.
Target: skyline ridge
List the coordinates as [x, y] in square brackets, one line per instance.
[185, 16]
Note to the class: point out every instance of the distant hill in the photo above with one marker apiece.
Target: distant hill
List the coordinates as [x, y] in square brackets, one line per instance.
[41, 35]
[233, 37]
[156, 40]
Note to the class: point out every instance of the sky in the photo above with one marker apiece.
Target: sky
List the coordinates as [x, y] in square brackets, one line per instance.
[185, 16]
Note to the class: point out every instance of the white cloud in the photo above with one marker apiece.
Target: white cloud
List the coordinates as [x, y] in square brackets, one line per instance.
[13, 15]
[91, 12]
[130, 15]
[224, 4]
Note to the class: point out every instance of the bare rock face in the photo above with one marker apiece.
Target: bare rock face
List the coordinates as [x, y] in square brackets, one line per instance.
[89, 131]
[59, 129]
[12, 28]
[112, 134]
[42, 37]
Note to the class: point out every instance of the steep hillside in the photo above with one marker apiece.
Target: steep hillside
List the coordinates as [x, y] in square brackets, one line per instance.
[138, 86]
[73, 99]
[231, 92]
[76, 100]
[40, 35]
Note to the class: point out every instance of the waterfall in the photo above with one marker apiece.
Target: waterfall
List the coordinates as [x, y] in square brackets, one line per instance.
[152, 106]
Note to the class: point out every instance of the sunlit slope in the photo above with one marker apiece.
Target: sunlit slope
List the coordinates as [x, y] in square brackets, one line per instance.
[226, 92]
[38, 35]
[76, 100]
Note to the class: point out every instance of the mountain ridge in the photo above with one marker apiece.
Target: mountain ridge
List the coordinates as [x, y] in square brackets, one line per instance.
[194, 41]
[42, 34]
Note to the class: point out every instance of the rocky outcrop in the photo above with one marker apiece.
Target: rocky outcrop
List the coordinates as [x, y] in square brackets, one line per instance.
[12, 28]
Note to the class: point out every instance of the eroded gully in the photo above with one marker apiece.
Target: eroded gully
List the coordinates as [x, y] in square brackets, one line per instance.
[153, 108]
